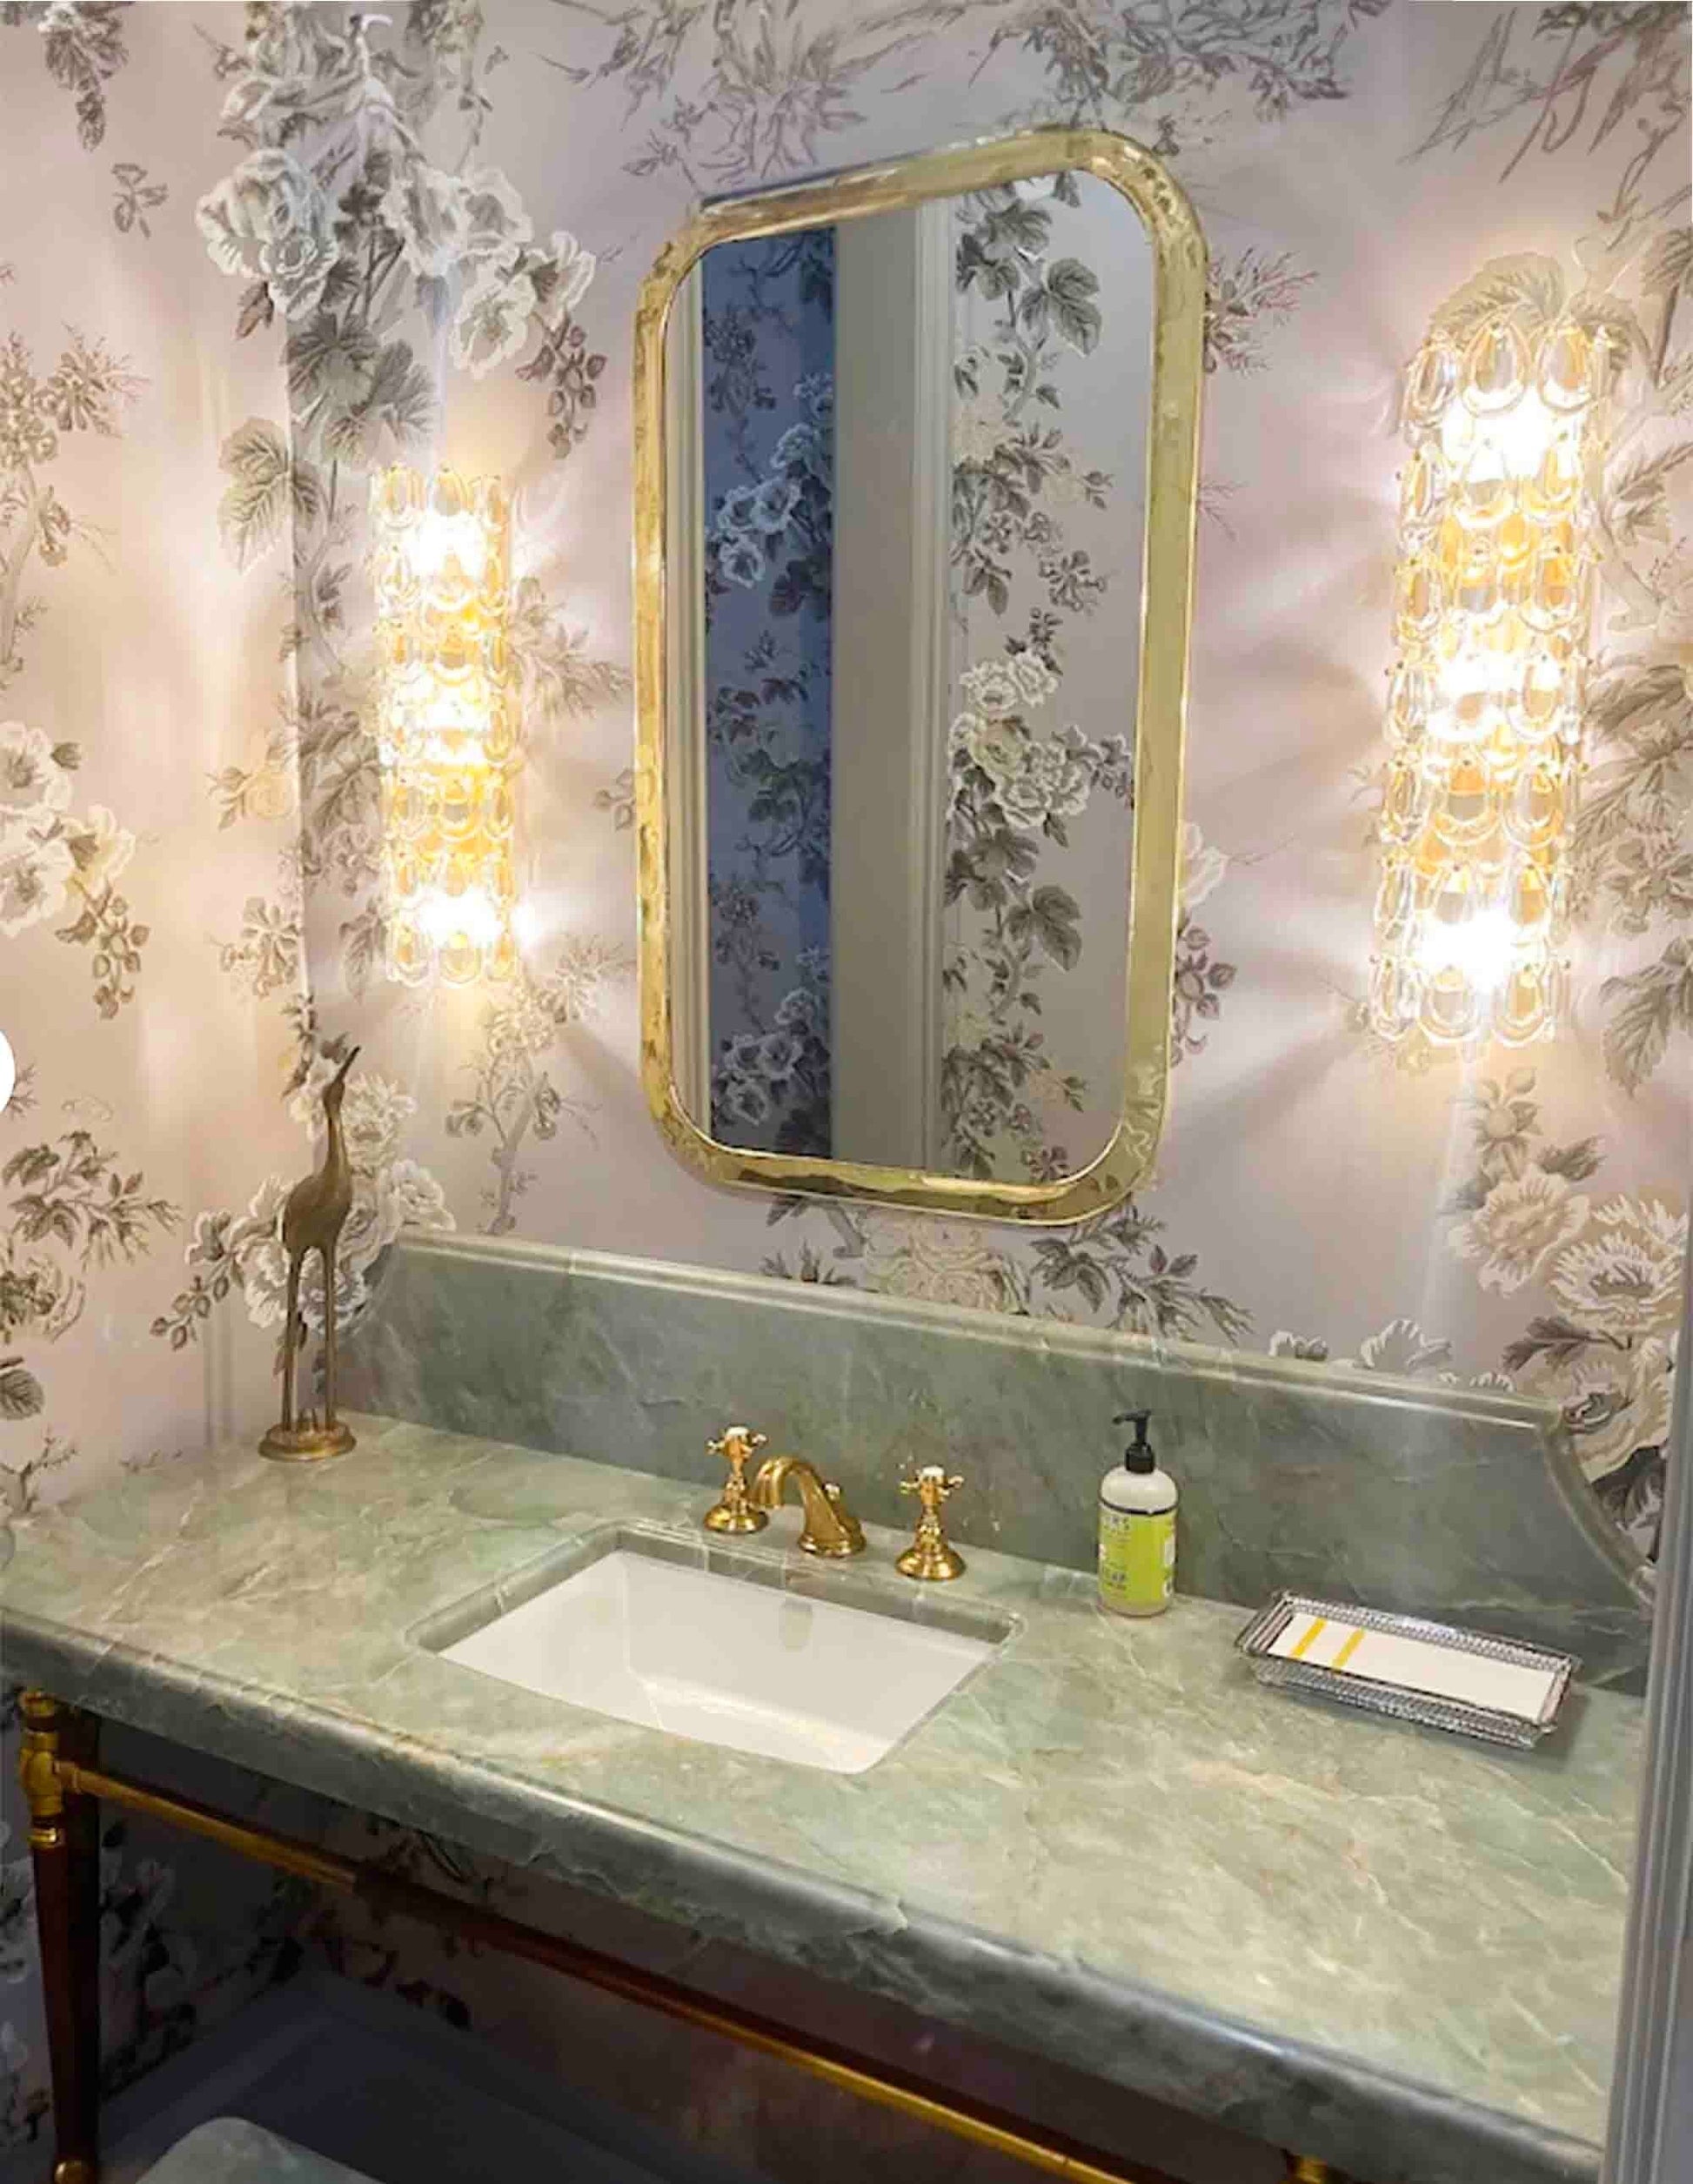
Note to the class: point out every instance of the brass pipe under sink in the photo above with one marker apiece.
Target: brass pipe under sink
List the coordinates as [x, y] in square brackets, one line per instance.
[52, 1776]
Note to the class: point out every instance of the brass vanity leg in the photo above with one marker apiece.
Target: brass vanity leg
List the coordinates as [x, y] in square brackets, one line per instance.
[64, 1849]
[1304, 2168]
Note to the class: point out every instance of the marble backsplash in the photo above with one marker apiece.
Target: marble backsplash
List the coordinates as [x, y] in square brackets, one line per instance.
[1444, 1501]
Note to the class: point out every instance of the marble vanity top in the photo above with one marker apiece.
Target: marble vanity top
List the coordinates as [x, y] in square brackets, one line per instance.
[1375, 1944]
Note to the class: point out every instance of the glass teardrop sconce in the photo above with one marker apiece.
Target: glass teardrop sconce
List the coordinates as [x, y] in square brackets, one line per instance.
[1491, 613]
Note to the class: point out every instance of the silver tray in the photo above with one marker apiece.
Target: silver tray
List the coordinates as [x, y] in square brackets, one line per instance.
[1397, 1699]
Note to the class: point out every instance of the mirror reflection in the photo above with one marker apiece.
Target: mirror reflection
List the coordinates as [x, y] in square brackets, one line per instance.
[905, 536]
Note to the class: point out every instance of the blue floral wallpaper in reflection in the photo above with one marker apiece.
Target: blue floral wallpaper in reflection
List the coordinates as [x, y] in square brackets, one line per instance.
[768, 322]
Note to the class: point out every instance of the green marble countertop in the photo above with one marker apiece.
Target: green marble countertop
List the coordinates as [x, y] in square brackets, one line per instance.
[1379, 1945]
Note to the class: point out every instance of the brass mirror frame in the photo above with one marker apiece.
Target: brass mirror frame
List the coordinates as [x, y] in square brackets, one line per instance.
[1180, 264]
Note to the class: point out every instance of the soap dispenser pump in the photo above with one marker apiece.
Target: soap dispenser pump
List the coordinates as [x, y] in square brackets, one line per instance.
[1137, 1527]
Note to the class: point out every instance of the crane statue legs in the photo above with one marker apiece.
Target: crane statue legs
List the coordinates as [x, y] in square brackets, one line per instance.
[312, 1219]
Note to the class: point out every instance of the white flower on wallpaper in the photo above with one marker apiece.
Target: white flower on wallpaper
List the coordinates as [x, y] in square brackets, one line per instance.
[1608, 1273]
[1518, 1227]
[51, 861]
[492, 325]
[272, 221]
[1624, 1277]
[1203, 868]
[918, 1257]
[445, 222]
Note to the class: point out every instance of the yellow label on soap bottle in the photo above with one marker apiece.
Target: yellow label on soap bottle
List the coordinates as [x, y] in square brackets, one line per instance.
[1137, 1559]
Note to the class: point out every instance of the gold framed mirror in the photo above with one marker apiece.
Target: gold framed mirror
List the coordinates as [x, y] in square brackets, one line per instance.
[876, 567]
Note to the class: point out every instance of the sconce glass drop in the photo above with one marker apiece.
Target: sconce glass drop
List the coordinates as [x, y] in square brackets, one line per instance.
[447, 727]
[1484, 716]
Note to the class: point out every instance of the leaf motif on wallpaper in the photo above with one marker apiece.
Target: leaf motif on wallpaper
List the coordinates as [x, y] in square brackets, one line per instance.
[50, 858]
[136, 197]
[1668, 268]
[71, 1193]
[1571, 77]
[1646, 1007]
[616, 797]
[739, 94]
[20, 1391]
[1606, 1271]
[20, 1488]
[1115, 1266]
[558, 673]
[1529, 286]
[86, 391]
[266, 486]
[82, 44]
[1070, 288]
[514, 1098]
[1244, 294]
[71, 1207]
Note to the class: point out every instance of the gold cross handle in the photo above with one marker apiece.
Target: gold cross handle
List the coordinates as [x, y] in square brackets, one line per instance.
[737, 1445]
[930, 1556]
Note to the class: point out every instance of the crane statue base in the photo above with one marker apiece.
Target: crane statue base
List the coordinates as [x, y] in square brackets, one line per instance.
[308, 1442]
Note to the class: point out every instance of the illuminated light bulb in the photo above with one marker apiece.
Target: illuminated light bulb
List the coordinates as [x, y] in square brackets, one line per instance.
[1485, 495]
[1480, 946]
[447, 730]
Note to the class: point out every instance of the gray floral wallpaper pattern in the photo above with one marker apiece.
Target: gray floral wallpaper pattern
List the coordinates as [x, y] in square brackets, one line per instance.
[316, 239]
[767, 333]
[1013, 1083]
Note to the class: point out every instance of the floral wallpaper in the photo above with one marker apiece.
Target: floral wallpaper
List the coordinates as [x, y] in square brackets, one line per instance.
[313, 240]
[767, 335]
[1025, 1091]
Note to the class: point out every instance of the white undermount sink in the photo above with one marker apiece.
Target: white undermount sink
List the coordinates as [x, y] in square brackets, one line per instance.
[727, 1659]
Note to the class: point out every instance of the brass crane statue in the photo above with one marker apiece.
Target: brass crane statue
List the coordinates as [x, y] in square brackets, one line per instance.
[313, 1218]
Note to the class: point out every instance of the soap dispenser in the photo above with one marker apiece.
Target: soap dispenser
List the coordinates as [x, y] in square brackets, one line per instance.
[1137, 1527]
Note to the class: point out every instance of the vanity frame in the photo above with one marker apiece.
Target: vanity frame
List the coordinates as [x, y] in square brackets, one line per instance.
[64, 1787]
[1180, 265]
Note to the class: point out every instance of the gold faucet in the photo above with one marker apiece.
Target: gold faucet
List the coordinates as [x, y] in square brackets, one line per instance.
[830, 1527]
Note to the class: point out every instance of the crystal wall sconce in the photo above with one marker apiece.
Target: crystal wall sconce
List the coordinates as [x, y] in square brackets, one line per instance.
[447, 727]
[1491, 616]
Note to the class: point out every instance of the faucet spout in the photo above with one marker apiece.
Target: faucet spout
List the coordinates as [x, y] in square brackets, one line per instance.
[830, 1527]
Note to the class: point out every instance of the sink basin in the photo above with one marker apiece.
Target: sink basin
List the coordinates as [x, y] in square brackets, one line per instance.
[726, 1655]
